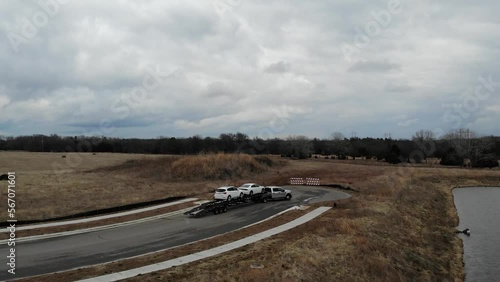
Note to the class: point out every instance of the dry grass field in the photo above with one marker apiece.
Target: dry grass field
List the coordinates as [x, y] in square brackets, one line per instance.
[399, 226]
[50, 186]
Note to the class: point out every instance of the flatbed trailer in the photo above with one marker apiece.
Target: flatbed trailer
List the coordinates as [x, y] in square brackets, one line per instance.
[220, 206]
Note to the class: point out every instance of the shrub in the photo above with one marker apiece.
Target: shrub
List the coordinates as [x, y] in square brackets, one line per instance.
[488, 162]
[264, 160]
[451, 159]
[218, 166]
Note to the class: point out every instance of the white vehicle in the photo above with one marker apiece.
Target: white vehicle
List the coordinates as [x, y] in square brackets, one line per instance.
[227, 193]
[251, 188]
[278, 193]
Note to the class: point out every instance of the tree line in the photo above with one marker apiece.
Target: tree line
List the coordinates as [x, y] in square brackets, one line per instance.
[452, 148]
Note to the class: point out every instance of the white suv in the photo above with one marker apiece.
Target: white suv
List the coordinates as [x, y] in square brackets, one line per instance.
[227, 193]
[251, 188]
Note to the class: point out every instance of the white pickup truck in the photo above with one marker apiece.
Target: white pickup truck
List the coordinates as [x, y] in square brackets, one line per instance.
[278, 193]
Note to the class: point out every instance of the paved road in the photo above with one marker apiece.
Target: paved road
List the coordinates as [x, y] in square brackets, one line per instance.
[68, 252]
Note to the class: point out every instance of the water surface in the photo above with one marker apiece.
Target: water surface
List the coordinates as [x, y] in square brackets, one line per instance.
[479, 210]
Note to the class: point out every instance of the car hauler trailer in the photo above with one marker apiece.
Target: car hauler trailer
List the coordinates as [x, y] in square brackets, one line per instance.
[220, 206]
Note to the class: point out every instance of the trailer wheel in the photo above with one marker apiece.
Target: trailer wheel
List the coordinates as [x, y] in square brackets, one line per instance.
[224, 209]
[216, 211]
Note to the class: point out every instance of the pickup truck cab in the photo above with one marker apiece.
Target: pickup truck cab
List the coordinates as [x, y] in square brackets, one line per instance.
[278, 193]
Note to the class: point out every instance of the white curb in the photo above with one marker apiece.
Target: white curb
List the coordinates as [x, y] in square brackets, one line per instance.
[97, 228]
[90, 219]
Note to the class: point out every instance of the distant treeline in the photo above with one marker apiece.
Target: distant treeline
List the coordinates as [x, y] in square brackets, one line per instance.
[450, 150]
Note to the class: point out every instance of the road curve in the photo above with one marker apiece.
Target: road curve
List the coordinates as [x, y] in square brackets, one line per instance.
[69, 252]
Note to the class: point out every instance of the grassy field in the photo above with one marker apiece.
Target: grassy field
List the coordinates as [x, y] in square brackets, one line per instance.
[50, 186]
[399, 226]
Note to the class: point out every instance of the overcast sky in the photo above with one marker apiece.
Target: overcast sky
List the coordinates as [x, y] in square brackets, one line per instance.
[264, 68]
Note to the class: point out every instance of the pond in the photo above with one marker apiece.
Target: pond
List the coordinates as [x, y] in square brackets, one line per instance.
[479, 210]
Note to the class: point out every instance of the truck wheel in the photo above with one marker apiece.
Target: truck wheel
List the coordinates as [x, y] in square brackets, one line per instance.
[288, 197]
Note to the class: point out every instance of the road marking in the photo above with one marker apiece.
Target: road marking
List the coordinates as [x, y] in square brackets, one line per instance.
[90, 219]
[174, 247]
[97, 228]
[307, 200]
[294, 208]
[211, 252]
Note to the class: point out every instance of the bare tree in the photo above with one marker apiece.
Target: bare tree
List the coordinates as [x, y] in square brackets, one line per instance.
[339, 144]
[424, 139]
[337, 136]
[424, 135]
[300, 146]
[468, 145]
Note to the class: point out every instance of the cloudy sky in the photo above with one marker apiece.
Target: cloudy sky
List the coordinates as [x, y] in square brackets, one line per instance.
[264, 68]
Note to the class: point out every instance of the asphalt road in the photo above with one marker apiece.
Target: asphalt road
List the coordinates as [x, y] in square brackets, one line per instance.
[69, 252]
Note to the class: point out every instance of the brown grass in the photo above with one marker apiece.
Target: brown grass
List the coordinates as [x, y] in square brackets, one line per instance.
[215, 167]
[199, 167]
[400, 227]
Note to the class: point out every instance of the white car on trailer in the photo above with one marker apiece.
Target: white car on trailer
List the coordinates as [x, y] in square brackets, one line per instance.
[251, 189]
[227, 193]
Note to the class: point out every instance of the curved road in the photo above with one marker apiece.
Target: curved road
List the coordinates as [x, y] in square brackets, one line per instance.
[69, 252]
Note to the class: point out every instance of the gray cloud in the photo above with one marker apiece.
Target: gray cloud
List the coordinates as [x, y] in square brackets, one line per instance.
[374, 66]
[408, 122]
[279, 67]
[219, 89]
[95, 126]
[398, 87]
[84, 65]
